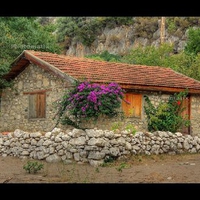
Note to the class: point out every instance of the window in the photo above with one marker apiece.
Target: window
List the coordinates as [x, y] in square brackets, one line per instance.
[37, 105]
[134, 107]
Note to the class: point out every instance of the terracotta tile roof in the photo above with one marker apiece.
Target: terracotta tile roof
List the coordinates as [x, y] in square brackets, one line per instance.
[122, 73]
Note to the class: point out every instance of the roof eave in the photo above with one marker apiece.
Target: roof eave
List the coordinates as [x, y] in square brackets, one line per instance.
[25, 55]
[46, 66]
[159, 88]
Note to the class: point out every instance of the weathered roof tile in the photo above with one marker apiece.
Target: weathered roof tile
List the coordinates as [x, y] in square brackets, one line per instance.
[122, 73]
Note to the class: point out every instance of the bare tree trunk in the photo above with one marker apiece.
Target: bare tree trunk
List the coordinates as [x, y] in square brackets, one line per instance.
[162, 30]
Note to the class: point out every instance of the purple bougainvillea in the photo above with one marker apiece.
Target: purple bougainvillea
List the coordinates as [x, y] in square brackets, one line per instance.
[90, 100]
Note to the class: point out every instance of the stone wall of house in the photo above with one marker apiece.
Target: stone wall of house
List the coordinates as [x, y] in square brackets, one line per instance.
[140, 124]
[155, 98]
[121, 122]
[195, 115]
[14, 103]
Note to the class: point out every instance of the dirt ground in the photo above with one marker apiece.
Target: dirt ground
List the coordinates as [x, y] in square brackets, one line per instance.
[182, 168]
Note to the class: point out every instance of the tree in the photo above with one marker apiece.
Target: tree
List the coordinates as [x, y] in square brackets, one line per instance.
[149, 55]
[163, 55]
[20, 33]
[193, 42]
[86, 29]
[106, 56]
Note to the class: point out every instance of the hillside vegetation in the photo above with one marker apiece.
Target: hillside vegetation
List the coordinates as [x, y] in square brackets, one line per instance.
[163, 41]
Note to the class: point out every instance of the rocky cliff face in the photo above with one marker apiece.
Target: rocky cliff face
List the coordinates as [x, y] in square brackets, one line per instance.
[122, 39]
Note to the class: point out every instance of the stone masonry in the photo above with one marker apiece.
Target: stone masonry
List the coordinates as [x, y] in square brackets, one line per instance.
[14, 111]
[93, 146]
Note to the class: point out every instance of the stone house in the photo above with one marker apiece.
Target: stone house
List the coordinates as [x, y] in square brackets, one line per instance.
[40, 78]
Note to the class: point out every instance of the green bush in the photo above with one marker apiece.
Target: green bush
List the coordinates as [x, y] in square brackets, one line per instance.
[33, 167]
[167, 116]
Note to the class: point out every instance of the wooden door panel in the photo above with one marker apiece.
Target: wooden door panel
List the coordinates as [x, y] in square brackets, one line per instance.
[186, 113]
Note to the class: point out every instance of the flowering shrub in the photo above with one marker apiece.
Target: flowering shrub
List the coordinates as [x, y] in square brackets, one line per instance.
[89, 100]
[167, 116]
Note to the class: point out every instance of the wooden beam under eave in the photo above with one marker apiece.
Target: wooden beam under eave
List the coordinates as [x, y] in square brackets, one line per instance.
[16, 69]
[159, 88]
[38, 91]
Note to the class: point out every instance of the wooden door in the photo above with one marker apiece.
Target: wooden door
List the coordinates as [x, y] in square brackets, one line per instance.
[186, 113]
[134, 106]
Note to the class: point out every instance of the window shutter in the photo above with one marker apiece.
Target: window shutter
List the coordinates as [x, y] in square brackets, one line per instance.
[37, 105]
[40, 105]
[32, 106]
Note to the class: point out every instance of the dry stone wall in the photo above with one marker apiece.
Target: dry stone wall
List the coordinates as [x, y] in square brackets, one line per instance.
[93, 146]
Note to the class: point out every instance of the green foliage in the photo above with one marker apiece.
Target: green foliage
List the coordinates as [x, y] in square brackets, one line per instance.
[121, 166]
[175, 24]
[193, 41]
[86, 29]
[145, 26]
[116, 126]
[120, 126]
[187, 64]
[194, 69]
[171, 26]
[106, 56]
[131, 128]
[150, 55]
[112, 22]
[109, 159]
[89, 101]
[167, 115]
[33, 167]
[20, 33]
[184, 63]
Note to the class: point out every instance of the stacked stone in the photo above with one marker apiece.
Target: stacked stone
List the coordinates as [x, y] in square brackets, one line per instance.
[93, 146]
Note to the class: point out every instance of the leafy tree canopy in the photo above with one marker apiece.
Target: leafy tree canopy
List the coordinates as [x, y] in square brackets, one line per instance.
[21, 33]
[149, 55]
[106, 56]
[193, 42]
[164, 56]
[86, 29]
